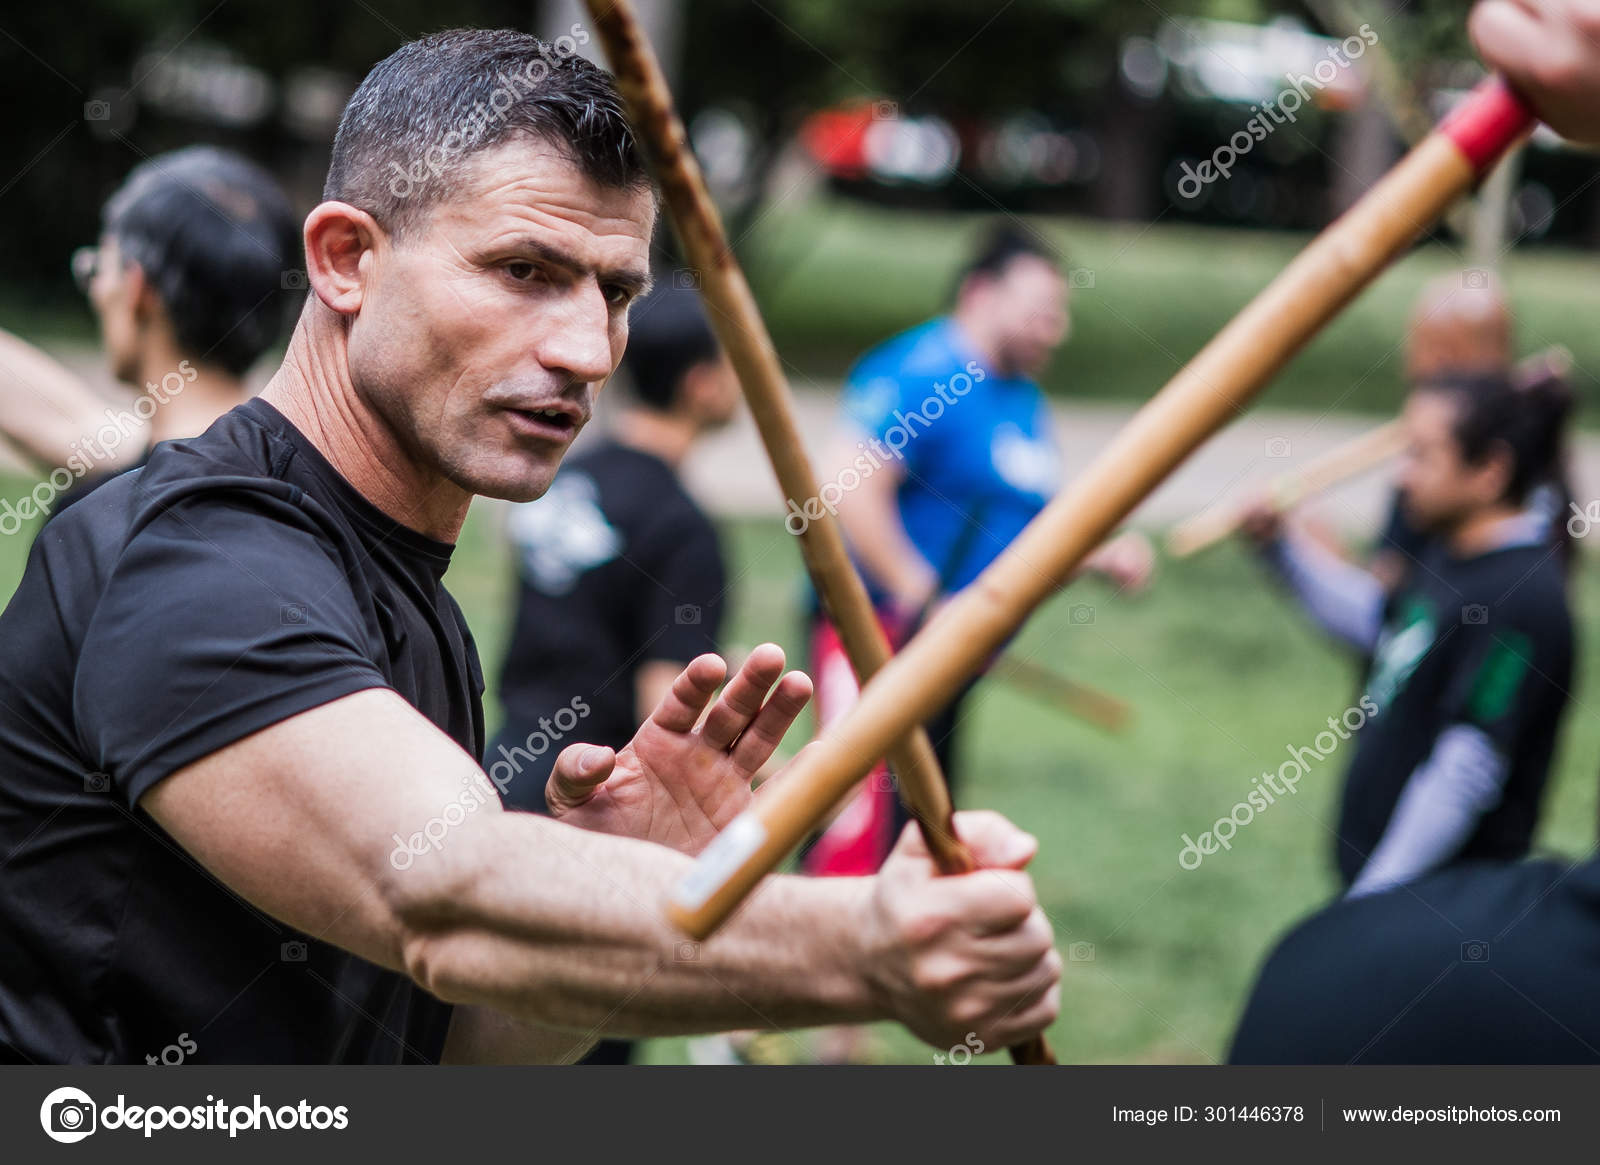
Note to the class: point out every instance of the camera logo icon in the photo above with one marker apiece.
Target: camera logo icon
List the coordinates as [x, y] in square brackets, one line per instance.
[292, 952]
[686, 279]
[1475, 613]
[295, 280]
[687, 615]
[1475, 951]
[1475, 279]
[1080, 277]
[67, 1115]
[1277, 446]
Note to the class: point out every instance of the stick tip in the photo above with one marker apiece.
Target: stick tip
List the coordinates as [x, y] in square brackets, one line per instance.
[1486, 124]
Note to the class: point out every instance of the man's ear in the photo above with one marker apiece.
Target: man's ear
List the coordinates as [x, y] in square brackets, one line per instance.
[140, 293]
[338, 237]
[1496, 470]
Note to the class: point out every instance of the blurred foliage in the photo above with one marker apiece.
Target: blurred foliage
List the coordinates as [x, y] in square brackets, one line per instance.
[773, 59]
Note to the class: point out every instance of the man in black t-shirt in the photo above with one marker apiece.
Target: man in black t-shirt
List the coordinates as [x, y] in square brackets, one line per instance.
[240, 725]
[1471, 659]
[620, 577]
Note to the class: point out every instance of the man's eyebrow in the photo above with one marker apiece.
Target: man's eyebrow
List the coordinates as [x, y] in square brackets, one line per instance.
[634, 280]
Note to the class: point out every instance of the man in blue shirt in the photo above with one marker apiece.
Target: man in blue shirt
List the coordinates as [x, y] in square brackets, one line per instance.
[950, 453]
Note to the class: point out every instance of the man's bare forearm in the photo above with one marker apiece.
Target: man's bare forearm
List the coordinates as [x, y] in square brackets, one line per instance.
[563, 928]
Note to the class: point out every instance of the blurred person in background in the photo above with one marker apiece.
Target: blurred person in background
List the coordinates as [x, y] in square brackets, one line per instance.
[621, 579]
[198, 249]
[1483, 963]
[1462, 324]
[948, 452]
[1471, 655]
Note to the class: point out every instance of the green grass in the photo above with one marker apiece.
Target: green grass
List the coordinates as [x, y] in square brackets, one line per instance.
[835, 277]
[1224, 675]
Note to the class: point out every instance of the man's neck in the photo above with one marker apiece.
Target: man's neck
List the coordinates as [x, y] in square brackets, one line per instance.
[663, 435]
[188, 406]
[1483, 531]
[314, 391]
[978, 337]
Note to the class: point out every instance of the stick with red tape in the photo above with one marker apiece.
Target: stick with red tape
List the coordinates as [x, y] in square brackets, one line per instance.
[1223, 377]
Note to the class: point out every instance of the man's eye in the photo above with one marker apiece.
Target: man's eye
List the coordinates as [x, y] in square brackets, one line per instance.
[617, 295]
[521, 272]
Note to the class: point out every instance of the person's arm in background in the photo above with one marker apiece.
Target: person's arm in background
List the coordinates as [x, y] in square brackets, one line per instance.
[1550, 52]
[1504, 697]
[870, 518]
[1438, 810]
[44, 407]
[1343, 599]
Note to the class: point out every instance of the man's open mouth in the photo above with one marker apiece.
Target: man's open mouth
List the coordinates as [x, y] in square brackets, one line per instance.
[559, 423]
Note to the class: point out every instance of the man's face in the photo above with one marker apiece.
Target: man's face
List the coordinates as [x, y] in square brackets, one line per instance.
[485, 333]
[1026, 306]
[1440, 488]
[711, 389]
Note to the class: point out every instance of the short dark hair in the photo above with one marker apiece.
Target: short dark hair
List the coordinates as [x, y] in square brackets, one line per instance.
[217, 239]
[433, 103]
[999, 246]
[668, 334]
[1529, 421]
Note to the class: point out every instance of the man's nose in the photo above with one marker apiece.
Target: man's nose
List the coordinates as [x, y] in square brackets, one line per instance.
[577, 340]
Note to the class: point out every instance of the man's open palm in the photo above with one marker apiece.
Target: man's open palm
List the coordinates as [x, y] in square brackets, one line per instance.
[677, 784]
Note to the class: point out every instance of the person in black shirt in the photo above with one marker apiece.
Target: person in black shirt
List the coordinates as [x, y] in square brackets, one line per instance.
[197, 259]
[1483, 963]
[240, 792]
[1471, 658]
[1489, 962]
[620, 576]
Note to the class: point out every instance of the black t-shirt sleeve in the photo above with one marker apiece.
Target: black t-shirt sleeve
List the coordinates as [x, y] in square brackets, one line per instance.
[681, 616]
[1497, 681]
[222, 616]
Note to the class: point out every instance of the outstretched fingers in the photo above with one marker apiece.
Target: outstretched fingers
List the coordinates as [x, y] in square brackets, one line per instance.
[680, 708]
[742, 700]
[758, 742]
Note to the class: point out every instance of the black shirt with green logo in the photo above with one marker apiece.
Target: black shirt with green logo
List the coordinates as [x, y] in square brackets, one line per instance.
[1483, 642]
